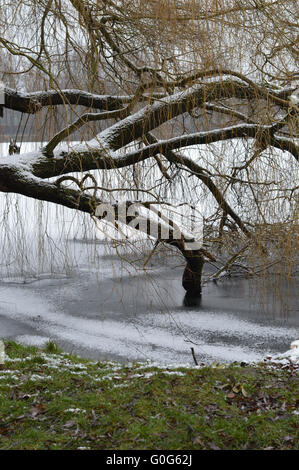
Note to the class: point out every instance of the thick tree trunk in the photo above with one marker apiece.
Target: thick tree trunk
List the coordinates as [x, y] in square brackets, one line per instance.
[192, 274]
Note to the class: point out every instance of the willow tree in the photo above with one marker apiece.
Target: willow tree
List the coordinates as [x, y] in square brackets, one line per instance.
[141, 82]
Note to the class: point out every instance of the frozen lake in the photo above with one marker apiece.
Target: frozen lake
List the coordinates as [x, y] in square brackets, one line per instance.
[113, 311]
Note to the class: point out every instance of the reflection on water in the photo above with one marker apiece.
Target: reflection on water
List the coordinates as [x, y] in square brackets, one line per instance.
[191, 300]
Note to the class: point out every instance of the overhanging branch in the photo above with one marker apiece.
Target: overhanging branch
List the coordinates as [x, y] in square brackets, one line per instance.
[13, 179]
[33, 102]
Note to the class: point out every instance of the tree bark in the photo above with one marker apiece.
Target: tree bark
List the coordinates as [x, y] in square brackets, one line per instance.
[192, 274]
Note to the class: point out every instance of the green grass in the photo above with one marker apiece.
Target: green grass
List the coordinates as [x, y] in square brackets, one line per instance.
[51, 400]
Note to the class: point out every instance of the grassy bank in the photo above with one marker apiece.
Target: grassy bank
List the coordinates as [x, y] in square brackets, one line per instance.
[51, 400]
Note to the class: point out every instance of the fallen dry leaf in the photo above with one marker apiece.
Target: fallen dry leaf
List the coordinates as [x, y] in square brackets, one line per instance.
[197, 440]
[213, 446]
[69, 424]
[36, 410]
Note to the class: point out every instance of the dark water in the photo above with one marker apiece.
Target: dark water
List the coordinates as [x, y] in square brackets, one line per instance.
[116, 312]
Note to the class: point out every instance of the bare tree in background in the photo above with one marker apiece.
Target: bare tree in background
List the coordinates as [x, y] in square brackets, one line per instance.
[143, 82]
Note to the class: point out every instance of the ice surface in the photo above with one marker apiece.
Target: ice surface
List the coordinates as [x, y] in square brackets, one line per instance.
[163, 338]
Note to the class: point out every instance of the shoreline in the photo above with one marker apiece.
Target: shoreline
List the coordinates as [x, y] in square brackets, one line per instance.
[51, 400]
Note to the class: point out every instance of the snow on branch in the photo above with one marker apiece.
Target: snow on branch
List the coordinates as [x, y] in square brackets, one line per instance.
[33, 102]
